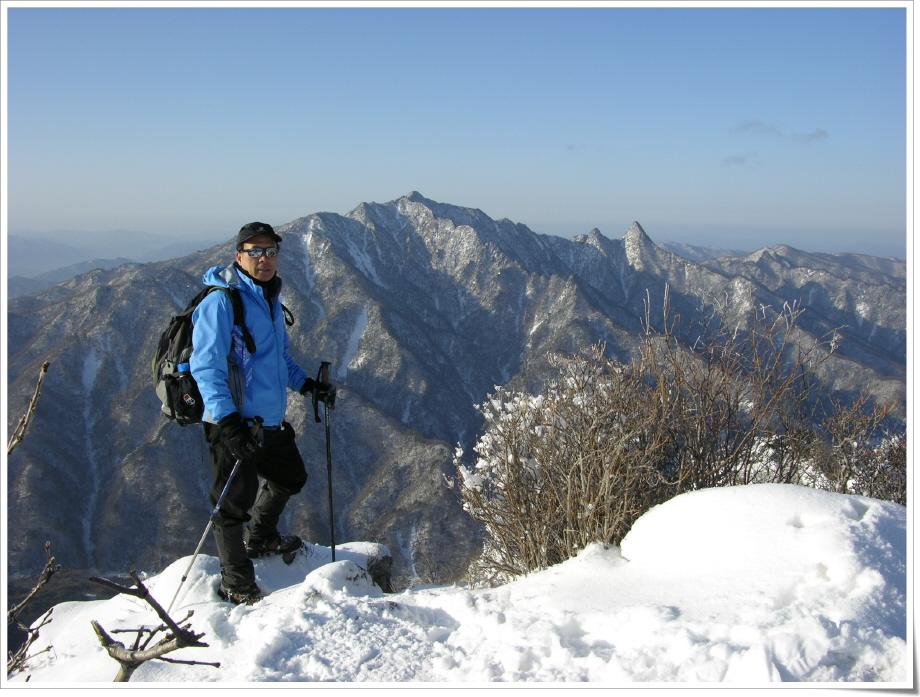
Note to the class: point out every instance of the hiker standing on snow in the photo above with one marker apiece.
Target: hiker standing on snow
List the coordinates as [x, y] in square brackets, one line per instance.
[237, 386]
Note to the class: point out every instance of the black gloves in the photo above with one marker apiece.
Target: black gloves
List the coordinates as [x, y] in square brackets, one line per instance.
[237, 436]
[324, 392]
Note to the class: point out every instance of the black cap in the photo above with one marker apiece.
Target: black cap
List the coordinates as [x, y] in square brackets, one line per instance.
[254, 229]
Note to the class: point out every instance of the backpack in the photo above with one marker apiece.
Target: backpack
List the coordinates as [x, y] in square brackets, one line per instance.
[172, 377]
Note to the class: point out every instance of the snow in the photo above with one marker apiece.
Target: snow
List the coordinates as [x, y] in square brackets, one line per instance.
[354, 342]
[91, 365]
[306, 265]
[750, 585]
[362, 260]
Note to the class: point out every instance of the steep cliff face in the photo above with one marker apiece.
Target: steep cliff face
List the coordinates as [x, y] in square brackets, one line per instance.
[422, 308]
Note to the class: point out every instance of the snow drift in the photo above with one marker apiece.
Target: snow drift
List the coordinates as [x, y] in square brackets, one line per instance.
[751, 584]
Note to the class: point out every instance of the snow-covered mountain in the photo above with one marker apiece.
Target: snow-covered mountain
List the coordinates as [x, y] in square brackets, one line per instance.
[747, 585]
[422, 308]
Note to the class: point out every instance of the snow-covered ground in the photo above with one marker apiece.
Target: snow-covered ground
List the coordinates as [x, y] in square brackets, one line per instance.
[749, 585]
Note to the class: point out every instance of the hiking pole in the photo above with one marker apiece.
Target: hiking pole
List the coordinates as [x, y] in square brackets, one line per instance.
[220, 502]
[328, 403]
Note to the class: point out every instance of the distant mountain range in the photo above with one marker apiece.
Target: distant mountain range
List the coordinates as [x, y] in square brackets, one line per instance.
[66, 253]
[19, 285]
[422, 308]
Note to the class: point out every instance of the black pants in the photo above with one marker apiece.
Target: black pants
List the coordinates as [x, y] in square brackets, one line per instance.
[279, 464]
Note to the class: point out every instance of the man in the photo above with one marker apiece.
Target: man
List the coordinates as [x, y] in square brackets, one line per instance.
[238, 386]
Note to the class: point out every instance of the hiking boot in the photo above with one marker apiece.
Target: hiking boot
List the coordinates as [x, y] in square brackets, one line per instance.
[285, 545]
[246, 595]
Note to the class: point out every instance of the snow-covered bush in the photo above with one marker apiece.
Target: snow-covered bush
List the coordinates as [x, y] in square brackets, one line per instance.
[556, 472]
[606, 441]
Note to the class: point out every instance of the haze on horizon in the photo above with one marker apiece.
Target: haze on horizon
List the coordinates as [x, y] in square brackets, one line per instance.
[735, 127]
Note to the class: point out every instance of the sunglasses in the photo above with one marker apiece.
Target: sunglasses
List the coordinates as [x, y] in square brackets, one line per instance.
[256, 252]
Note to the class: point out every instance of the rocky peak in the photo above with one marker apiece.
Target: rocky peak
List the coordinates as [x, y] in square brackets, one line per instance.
[636, 234]
[416, 197]
[637, 245]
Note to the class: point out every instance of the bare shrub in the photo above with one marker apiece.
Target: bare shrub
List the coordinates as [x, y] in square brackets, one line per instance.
[740, 401]
[851, 460]
[606, 441]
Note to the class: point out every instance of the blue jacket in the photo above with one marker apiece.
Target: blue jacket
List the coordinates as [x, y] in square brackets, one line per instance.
[229, 377]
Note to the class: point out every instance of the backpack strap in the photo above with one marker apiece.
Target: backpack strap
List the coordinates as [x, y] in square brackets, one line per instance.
[239, 317]
[288, 316]
[239, 313]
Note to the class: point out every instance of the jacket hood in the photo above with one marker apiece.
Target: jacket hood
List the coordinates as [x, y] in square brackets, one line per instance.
[232, 277]
[224, 276]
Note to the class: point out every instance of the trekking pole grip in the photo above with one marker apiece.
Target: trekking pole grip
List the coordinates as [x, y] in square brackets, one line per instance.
[322, 377]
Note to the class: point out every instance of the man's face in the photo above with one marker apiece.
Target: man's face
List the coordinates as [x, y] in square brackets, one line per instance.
[261, 268]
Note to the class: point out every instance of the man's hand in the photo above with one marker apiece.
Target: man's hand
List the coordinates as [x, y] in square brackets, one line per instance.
[237, 436]
[324, 392]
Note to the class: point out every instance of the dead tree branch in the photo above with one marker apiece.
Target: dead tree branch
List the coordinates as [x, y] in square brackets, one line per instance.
[131, 659]
[16, 662]
[20, 431]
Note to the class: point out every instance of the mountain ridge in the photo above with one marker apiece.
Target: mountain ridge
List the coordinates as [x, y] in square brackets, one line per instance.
[422, 308]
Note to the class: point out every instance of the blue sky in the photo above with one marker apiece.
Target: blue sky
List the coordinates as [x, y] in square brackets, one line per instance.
[740, 127]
